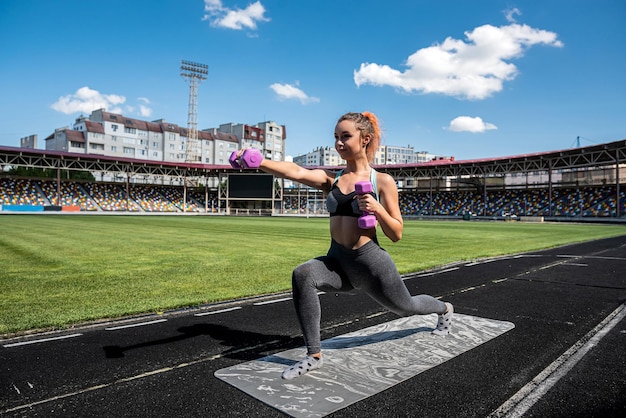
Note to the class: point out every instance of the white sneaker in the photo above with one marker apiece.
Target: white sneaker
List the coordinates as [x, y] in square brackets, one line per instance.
[445, 321]
[302, 367]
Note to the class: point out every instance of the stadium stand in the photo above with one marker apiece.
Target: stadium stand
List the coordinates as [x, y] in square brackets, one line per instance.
[111, 197]
[16, 191]
[582, 202]
[177, 198]
[587, 183]
[209, 203]
[70, 194]
[585, 202]
[295, 204]
[590, 201]
[150, 200]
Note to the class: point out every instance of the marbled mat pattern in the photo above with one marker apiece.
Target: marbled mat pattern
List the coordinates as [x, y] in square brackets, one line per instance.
[359, 364]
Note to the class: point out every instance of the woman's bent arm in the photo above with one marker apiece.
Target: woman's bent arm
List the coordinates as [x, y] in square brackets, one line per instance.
[390, 218]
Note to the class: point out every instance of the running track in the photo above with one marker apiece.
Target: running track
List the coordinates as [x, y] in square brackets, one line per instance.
[566, 356]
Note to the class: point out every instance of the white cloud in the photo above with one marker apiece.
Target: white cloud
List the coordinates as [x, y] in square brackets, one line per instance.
[86, 100]
[288, 91]
[470, 124]
[145, 111]
[510, 14]
[237, 19]
[471, 69]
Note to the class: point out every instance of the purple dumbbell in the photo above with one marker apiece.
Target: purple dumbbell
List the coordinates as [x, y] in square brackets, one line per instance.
[251, 158]
[367, 220]
[233, 160]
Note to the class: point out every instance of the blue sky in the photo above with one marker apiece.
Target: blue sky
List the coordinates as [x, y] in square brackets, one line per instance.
[471, 79]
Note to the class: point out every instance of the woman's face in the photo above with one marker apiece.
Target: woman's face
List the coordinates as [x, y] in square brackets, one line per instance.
[348, 141]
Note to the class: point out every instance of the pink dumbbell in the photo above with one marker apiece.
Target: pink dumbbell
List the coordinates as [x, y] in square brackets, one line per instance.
[251, 158]
[367, 220]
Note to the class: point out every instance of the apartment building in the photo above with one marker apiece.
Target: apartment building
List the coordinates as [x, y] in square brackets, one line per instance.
[268, 137]
[116, 135]
[320, 157]
[385, 155]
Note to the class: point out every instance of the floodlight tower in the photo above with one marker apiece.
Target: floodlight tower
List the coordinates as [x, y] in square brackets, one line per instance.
[194, 73]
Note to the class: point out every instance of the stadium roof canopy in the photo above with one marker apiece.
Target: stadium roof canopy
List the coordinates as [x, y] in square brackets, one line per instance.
[27, 157]
[601, 155]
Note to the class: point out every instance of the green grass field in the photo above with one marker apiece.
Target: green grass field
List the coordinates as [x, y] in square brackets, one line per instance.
[58, 270]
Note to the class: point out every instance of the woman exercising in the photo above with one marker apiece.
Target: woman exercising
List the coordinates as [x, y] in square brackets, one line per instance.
[354, 260]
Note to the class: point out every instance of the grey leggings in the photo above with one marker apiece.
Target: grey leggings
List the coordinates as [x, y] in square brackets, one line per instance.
[369, 268]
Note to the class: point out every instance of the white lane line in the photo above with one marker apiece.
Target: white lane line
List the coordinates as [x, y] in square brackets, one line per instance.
[425, 275]
[139, 324]
[527, 396]
[491, 260]
[217, 312]
[503, 258]
[268, 302]
[436, 272]
[469, 289]
[594, 257]
[606, 258]
[42, 340]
